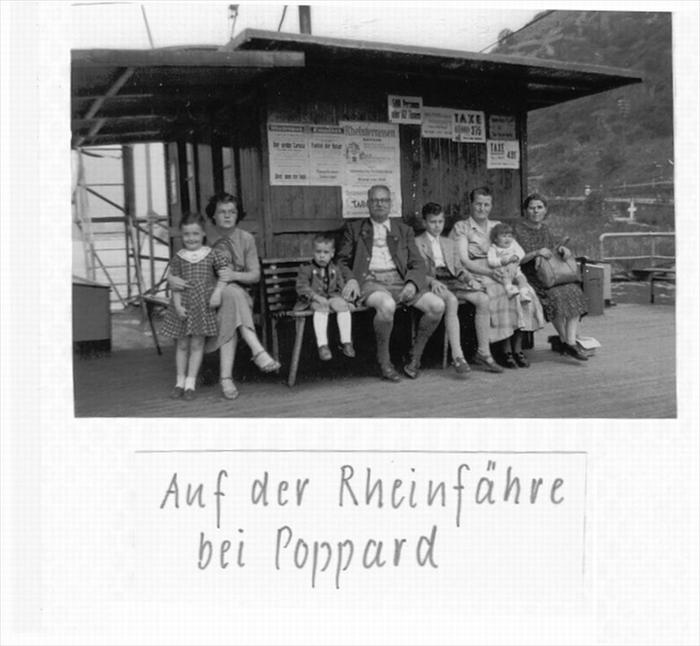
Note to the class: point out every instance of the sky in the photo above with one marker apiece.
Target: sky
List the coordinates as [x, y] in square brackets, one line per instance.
[461, 25]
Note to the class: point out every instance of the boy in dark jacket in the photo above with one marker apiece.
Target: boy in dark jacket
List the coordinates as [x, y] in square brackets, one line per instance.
[319, 286]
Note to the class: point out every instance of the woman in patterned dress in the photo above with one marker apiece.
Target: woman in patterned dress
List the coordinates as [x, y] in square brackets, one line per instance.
[508, 315]
[563, 305]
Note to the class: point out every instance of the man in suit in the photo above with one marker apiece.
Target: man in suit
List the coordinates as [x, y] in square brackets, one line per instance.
[384, 268]
[449, 279]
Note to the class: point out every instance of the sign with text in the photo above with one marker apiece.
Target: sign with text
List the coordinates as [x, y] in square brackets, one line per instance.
[469, 126]
[326, 155]
[501, 127]
[405, 109]
[289, 154]
[438, 123]
[372, 156]
[502, 154]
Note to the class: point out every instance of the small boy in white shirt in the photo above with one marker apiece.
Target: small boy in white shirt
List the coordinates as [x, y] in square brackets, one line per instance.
[505, 253]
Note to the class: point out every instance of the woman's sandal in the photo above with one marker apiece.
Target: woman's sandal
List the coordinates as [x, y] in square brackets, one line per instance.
[228, 392]
[265, 362]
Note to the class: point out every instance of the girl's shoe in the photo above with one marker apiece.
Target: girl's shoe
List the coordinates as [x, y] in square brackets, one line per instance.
[324, 353]
[521, 360]
[509, 360]
[228, 388]
[265, 362]
[189, 395]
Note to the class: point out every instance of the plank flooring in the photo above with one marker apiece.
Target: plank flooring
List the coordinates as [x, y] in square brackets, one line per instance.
[631, 376]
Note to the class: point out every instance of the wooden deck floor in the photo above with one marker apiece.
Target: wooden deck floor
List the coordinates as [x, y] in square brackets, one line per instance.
[631, 376]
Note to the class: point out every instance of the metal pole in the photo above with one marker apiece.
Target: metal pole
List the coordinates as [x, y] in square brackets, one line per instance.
[150, 215]
[304, 18]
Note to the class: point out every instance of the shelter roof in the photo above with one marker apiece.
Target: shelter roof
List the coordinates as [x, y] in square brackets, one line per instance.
[126, 96]
[546, 82]
[123, 96]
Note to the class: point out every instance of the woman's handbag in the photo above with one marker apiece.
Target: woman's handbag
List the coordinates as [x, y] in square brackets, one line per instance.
[556, 270]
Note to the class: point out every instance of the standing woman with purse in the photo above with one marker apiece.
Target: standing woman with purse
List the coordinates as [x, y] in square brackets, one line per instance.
[563, 303]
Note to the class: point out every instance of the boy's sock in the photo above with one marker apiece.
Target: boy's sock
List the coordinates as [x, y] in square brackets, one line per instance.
[189, 383]
[382, 332]
[180, 383]
[321, 328]
[345, 327]
[426, 327]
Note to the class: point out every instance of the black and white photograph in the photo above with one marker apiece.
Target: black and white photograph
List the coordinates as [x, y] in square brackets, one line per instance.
[349, 323]
[562, 135]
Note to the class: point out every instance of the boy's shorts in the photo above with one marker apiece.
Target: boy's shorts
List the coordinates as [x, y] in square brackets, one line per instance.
[390, 282]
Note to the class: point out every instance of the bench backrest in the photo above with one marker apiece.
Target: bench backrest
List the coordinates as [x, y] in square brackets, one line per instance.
[278, 283]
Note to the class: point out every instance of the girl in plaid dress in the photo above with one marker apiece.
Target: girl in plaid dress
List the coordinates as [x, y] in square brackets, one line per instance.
[190, 317]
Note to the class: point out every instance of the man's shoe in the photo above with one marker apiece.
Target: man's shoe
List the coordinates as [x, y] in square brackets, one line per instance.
[412, 369]
[324, 352]
[487, 363]
[389, 373]
[348, 350]
[462, 367]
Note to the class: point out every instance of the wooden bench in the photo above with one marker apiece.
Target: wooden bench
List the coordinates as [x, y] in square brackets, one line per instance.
[277, 298]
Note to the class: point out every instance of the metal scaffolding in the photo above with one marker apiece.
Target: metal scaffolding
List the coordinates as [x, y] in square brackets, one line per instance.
[128, 250]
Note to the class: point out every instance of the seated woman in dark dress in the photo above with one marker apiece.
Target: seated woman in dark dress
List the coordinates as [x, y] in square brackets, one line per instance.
[563, 305]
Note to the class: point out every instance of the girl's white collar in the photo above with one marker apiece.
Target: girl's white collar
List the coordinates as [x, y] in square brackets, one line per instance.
[194, 256]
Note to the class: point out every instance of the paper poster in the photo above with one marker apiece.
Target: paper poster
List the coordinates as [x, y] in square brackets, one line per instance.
[372, 156]
[501, 127]
[438, 123]
[405, 109]
[289, 154]
[502, 154]
[469, 126]
[326, 155]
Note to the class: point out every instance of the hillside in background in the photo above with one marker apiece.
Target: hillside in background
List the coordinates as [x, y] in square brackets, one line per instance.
[623, 136]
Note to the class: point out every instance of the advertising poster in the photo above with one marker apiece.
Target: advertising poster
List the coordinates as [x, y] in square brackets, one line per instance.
[405, 109]
[501, 127]
[438, 123]
[469, 126]
[502, 154]
[289, 154]
[372, 157]
[326, 155]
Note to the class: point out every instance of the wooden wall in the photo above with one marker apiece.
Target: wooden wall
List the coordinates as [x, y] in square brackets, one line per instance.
[284, 218]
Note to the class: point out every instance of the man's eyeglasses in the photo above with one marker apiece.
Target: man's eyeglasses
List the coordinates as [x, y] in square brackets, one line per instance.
[380, 200]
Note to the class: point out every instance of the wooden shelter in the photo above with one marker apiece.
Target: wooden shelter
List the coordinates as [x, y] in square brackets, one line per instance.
[211, 107]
